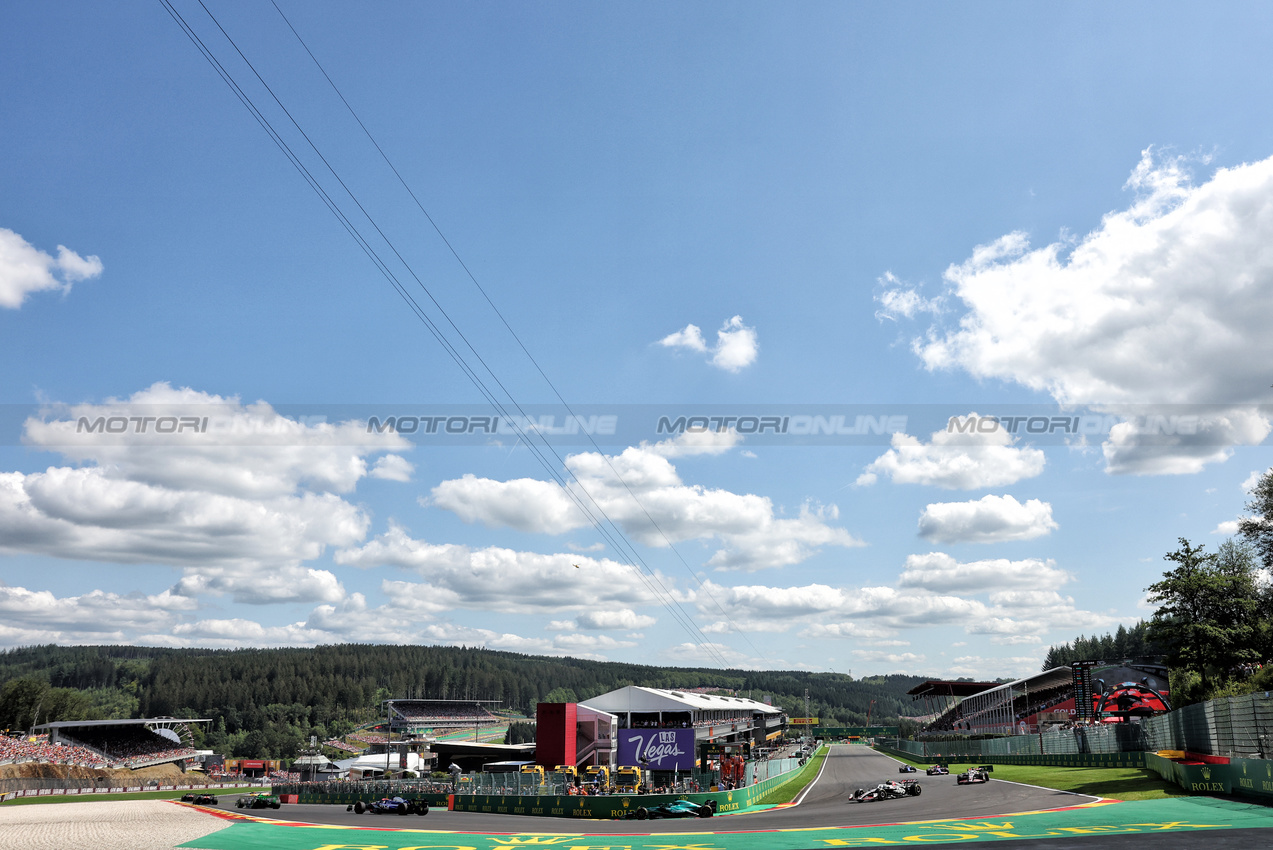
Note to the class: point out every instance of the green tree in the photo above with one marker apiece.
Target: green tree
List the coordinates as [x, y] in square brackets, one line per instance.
[1257, 529]
[1206, 610]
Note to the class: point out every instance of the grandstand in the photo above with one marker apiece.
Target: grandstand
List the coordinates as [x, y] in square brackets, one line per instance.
[1035, 703]
[425, 716]
[121, 743]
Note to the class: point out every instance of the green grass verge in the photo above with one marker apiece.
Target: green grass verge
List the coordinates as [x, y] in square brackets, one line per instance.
[1114, 783]
[788, 791]
[136, 795]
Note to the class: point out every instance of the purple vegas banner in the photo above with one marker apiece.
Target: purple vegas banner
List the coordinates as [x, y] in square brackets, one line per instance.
[663, 749]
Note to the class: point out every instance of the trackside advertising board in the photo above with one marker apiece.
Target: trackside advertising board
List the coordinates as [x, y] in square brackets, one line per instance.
[657, 749]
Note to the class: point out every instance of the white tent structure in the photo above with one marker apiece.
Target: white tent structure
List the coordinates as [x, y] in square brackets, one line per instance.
[715, 717]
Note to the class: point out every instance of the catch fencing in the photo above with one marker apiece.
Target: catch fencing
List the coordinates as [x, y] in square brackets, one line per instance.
[1230, 726]
[523, 784]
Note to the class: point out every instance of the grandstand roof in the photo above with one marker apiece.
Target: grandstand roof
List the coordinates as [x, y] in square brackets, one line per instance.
[939, 688]
[1053, 678]
[637, 699]
[146, 721]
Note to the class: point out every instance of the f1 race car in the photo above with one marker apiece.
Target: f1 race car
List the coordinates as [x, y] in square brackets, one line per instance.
[974, 775]
[391, 806]
[204, 799]
[906, 768]
[891, 790]
[678, 809]
[938, 770]
[257, 801]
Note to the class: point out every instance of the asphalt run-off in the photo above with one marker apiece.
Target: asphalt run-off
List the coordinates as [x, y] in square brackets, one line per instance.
[945, 814]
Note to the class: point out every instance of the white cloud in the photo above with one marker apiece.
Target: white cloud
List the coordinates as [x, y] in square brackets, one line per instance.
[1021, 603]
[736, 344]
[981, 668]
[392, 468]
[42, 617]
[897, 301]
[1134, 449]
[1227, 528]
[246, 450]
[1165, 302]
[84, 514]
[956, 461]
[623, 618]
[990, 519]
[941, 573]
[879, 656]
[641, 491]
[503, 580]
[25, 269]
[691, 337]
[526, 504]
[1253, 479]
[254, 586]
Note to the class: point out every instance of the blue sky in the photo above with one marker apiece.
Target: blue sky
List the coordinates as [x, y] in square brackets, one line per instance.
[905, 209]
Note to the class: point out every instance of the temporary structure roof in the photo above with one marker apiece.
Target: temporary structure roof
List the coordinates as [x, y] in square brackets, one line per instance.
[638, 700]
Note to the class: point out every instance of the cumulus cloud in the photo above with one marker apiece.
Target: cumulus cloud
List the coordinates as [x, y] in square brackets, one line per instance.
[939, 572]
[640, 490]
[1163, 444]
[898, 301]
[735, 349]
[238, 501]
[25, 269]
[499, 579]
[1228, 528]
[237, 449]
[84, 514]
[908, 660]
[1164, 303]
[1020, 603]
[95, 616]
[622, 618]
[392, 468]
[955, 460]
[1253, 479]
[990, 519]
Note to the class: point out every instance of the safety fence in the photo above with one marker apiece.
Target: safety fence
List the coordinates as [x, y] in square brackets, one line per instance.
[1232, 726]
[526, 785]
[612, 806]
[534, 802]
[1081, 740]
[1235, 727]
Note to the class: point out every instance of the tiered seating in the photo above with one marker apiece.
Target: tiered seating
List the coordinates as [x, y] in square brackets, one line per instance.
[129, 745]
[439, 713]
[22, 750]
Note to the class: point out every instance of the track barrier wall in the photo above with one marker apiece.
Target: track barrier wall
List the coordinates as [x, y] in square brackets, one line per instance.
[1243, 776]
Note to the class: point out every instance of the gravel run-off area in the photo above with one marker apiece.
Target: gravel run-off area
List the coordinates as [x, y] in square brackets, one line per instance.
[124, 825]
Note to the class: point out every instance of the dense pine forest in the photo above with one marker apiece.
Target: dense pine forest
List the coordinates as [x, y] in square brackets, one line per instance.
[266, 702]
[1135, 642]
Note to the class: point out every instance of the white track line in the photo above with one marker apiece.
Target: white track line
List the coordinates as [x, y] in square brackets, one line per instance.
[809, 787]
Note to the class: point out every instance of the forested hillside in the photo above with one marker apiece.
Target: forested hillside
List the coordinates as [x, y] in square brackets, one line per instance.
[265, 702]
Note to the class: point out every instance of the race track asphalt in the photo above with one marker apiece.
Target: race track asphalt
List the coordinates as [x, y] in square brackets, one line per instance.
[825, 804]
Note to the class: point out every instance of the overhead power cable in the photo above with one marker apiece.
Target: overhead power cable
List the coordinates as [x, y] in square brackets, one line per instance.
[507, 326]
[590, 509]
